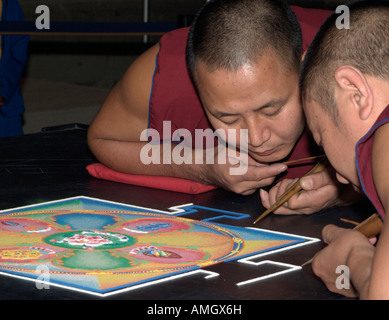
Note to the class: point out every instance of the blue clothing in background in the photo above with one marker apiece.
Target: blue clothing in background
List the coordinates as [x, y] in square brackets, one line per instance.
[12, 62]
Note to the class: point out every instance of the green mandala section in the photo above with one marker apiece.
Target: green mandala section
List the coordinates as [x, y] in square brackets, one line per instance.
[95, 260]
[89, 240]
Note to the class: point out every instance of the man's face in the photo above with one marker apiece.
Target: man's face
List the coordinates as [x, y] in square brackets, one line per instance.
[263, 98]
[337, 141]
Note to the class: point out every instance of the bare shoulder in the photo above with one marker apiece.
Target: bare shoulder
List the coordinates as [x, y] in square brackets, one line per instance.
[135, 86]
[125, 111]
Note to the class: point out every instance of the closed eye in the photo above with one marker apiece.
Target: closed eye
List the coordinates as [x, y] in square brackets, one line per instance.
[271, 111]
[229, 122]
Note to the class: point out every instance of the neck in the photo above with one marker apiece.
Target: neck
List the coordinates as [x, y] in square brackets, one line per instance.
[381, 94]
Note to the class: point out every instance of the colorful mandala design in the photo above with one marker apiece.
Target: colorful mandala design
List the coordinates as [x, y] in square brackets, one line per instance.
[119, 243]
[103, 250]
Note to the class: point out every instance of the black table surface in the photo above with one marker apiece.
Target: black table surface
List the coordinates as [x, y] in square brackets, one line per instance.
[50, 165]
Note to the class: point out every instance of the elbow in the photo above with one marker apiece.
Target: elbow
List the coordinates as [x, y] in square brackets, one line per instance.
[93, 141]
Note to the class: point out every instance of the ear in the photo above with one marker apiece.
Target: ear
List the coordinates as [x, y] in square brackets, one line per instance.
[354, 84]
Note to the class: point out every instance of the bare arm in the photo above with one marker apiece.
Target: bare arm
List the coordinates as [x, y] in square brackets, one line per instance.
[116, 129]
[114, 135]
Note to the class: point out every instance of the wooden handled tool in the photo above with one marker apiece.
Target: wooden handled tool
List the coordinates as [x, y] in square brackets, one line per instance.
[294, 188]
[303, 160]
[370, 227]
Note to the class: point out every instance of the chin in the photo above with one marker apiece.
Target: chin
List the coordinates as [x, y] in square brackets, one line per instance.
[274, 157]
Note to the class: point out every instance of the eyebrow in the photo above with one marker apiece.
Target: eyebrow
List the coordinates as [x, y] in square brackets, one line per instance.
[221, 114]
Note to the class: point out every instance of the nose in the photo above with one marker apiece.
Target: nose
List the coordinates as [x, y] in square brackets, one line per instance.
[257, 135]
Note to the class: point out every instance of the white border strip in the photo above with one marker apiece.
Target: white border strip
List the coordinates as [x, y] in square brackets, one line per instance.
[291, 268]
[209, 275]
[176, 209]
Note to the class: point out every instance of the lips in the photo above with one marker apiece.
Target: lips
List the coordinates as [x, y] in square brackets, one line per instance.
[266, 153]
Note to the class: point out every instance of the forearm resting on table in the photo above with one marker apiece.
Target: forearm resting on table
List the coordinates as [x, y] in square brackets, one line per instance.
[126, 157]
